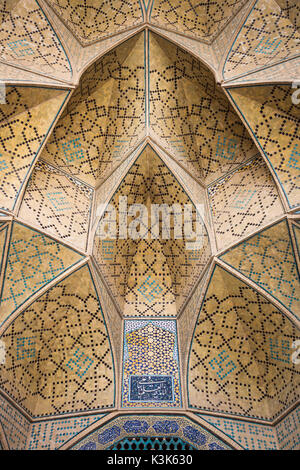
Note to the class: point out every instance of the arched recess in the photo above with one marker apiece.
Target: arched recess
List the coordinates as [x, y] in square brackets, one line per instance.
[152, 432]
[190, 115]
[241, 361]
[93, 21]
[198, 20]
[105, 116]
[166, 266]
[58, 354]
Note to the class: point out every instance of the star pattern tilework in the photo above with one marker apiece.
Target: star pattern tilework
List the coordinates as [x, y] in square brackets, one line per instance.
[190, 114]
[150, 365]
[200, 20]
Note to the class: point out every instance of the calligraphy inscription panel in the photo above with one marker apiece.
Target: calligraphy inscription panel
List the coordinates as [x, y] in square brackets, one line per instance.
[151, 388]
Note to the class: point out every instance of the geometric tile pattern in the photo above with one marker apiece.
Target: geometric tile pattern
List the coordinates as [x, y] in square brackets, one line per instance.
[15, 425]
[191, 116]
[22, 132]
[296, 231]
[153, 426]
[200, 20]
[93, 20]
[149, 289]
[241, 354]
[150, 365]
[58, 204]
[71, 366]
[268, 260]
[223, 41]
[250, 436]
[56, 358]
[115, 322]
[187, 321]
[275, 122]
[3, 235]
[151, 443]
[27, 39]
[51, 435]
[33, 260]
[243, 201]
[152, 276]
[268, 36]
[112, 94]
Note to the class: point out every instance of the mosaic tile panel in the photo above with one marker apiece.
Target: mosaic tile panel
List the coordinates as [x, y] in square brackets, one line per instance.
[58, 355]
[268, 259]
[25, 120]
[51, 435]
[58, 204]
[243, 201]
[33, 260]
[201, 20]
[137, 263]
[250, 436]
[91, 20]
[268, 36]
[112, 94]
[27, 39]
[241, 355]
[148, 426]
[15, 425]
[150, 364]
[190, 114]
[274, 118]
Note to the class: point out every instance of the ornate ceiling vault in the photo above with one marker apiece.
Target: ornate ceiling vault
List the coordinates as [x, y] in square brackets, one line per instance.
[149, 224]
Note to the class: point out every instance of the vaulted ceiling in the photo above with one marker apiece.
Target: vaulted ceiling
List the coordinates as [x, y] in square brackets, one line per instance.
[156, 103]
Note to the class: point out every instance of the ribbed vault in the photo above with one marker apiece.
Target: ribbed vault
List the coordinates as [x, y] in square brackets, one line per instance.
[158, 103]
